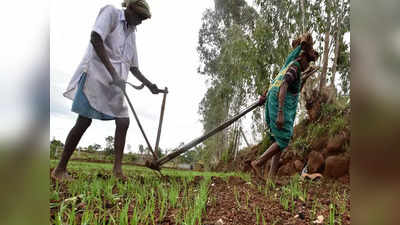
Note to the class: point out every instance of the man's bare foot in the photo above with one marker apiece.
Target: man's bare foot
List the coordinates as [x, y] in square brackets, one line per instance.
[256, 170]
[61, 175]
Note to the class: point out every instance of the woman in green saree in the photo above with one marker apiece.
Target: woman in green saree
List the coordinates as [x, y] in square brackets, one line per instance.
[282, 100]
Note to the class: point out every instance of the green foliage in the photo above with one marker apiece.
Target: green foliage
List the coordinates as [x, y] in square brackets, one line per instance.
[338, 124]
[237, 196]
[314, 208]
[332, 213]
[226, 157]
[292, 192]
[54, 144]
[93, 148]
[328, 110]
[334, 113]
[333, 120]
[141, 149]
[316, 131]
[109, 149]
[224, 48]
[130, 157]
[189, 156]
[301, 144]
[133, 202]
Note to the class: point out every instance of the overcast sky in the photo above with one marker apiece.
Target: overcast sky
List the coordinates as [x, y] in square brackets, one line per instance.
[167, 56]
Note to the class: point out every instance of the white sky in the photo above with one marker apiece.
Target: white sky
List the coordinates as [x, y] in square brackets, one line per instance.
[167, 56]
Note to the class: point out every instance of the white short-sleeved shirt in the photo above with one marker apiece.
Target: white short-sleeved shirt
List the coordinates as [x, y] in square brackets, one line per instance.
[120, 44]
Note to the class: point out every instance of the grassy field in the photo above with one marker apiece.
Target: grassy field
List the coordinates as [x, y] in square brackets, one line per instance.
[95, 197]
[189, 197]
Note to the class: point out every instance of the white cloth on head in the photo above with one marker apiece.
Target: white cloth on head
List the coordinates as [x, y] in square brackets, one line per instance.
[120, 44]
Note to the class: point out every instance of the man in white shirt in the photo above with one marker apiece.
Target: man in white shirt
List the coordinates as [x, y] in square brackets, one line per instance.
[96, 85]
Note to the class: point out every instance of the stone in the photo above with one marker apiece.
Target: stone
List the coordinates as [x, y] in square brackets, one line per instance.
[286, 156]
[298, 165]
[335, 144]
[219, 222]
[315, 162]
[287, 170]
[325, 153]
[319, 143]
[336, 166]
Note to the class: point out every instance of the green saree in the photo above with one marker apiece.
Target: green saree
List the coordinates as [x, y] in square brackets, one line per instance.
[283, 136]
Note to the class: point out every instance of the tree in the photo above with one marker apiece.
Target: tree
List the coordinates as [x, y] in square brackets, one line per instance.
[158, 152]
[223, 48]
[109, 145]
[189, 156]
[328, 21]
[241, 50]
[90, 149]
[93, 148]
[141, 149]
[54, 145]
[96, 147]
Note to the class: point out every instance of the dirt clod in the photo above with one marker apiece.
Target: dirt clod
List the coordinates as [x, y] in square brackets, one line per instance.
[315, 161]
[336, 166]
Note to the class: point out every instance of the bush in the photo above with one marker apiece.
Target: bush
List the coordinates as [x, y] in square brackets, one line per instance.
[109, 158]
[316, 130]
[301, 144]
[338, 124]
[130, 158]
[53, 151]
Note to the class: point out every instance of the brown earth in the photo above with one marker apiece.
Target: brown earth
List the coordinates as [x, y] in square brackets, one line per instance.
[228, 210]
[325, 154]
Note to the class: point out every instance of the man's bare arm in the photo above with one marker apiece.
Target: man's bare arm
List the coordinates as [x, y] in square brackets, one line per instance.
[136, 72]
[153, 88]
[98, 45]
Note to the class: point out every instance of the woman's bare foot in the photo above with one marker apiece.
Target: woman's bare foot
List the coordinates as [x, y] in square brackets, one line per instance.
[61, 175]
[256, 170]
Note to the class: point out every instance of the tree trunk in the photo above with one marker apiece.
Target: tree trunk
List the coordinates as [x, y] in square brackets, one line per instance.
[302, 16]
[233, 145]
[236, 143]
[325, 59]
[244, 137]
[337, 45]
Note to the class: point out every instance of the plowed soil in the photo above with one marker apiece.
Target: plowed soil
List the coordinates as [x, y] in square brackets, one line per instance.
[233, 200]
[228, 210]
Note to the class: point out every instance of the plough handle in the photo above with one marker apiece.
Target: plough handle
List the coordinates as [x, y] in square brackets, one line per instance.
[163, 160]
[165, 91]
[140, 125]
